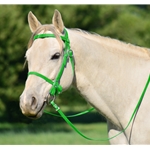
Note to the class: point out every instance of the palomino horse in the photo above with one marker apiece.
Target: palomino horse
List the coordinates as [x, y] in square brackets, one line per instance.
[109, 74]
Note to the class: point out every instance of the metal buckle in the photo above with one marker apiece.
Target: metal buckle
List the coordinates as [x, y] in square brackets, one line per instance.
[49, 98]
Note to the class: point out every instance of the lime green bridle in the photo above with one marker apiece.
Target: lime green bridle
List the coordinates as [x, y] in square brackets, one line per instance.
[56, 87]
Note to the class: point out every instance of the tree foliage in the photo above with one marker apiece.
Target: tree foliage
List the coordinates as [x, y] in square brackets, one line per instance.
[129, 23]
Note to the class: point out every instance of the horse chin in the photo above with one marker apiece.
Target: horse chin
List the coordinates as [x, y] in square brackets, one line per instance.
[36, 116]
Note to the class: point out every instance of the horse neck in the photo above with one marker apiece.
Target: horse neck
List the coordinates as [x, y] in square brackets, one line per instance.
[106, 77]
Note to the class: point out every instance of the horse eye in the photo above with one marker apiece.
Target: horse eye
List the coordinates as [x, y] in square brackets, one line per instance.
[55, 56]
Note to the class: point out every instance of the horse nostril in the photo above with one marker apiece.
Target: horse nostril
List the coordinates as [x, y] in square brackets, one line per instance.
[34, 102]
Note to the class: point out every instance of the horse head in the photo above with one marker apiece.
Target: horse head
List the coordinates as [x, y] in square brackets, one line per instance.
[45, 57]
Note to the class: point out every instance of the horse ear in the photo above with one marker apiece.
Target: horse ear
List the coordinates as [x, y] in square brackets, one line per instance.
[57, 21]
[33, 22]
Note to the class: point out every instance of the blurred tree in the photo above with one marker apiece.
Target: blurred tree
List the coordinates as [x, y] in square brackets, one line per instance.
[129, 25]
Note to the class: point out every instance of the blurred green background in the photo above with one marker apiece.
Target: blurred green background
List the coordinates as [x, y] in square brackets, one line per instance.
[128, 23]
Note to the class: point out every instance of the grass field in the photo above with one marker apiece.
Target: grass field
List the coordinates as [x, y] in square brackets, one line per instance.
[52, 134]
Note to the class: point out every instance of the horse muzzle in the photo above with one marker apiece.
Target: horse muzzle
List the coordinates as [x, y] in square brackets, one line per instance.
[31, 107]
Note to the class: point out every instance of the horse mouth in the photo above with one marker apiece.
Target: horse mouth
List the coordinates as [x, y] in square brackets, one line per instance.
[38, 113]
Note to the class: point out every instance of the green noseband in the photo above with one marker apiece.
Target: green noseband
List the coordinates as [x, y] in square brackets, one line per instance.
[56, 87]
